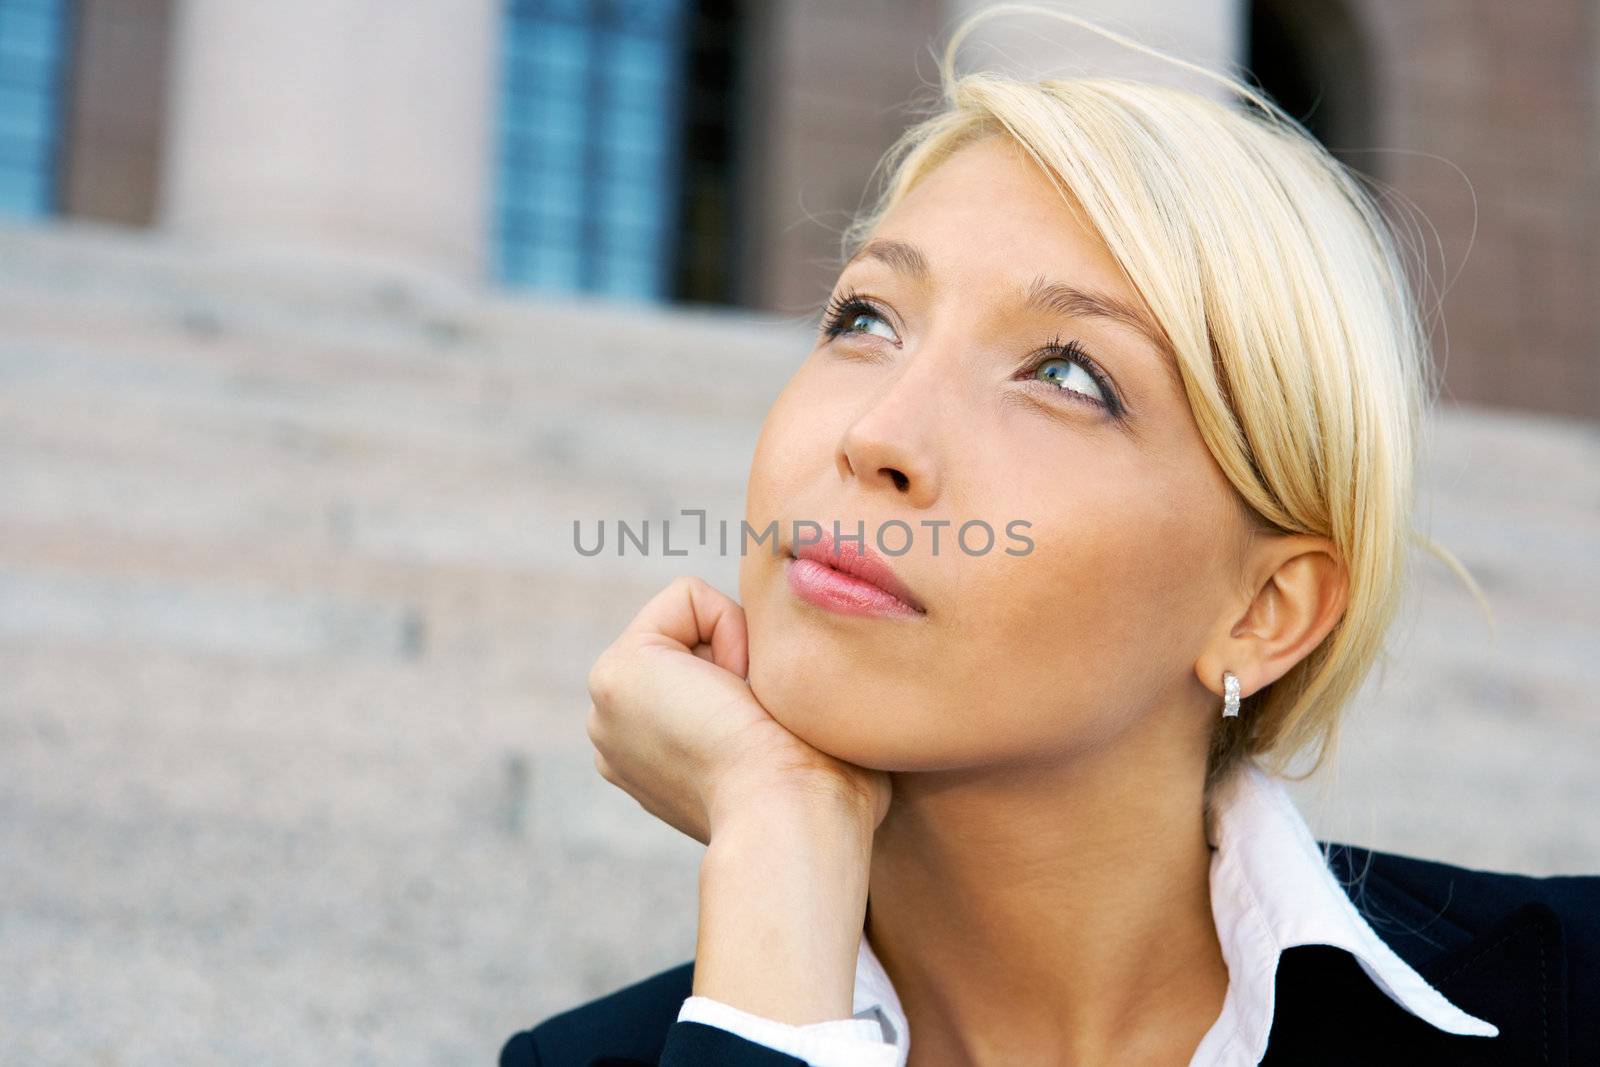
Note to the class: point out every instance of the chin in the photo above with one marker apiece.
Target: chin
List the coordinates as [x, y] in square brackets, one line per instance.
[807, 702]
[858, 698]
[860, 721]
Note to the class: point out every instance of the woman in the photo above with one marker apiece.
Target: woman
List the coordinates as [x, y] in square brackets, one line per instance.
[1020, 805]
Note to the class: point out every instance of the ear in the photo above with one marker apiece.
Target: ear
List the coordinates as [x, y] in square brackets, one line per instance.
[1300, 590]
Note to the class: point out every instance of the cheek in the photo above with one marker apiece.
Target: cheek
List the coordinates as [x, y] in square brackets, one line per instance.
[1100, 619]
[1087, 598]
[794, 674]
[794, 440]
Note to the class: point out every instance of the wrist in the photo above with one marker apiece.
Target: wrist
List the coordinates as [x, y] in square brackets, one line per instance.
[783, 893]
[798, 833]
[798, 801]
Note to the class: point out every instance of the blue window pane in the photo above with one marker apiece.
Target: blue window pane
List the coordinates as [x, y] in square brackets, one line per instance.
[556, 62]
[563, 231]
[635, 204]
[32, 57]
[636, 66]
[557, 267]
[560, 124]
[587, 177]
[20, 192]
[625, 240]
[653, 17]
[633, 134]
[26, 117]
[561, 194]
[623, 282]
[27, 29]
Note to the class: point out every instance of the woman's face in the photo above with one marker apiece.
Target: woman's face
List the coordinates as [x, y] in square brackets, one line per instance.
[939, 400]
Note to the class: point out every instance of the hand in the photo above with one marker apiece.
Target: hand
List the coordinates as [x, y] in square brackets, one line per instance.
[675, 724]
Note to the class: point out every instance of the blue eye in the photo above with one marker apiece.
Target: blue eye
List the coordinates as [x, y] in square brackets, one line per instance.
[1063, 366]
[1070, 370]
[1070, 375]
[846, 315]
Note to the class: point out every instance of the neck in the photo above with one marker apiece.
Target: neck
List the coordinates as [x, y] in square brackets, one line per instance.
[1056, 913]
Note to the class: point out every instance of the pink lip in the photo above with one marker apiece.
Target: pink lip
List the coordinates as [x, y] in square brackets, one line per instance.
[849, 578]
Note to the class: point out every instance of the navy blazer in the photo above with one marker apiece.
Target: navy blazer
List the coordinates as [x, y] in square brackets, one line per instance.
[1522, 952]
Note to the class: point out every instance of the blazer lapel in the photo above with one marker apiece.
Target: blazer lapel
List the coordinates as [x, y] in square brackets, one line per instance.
[1514, 975]
[1329, 1011]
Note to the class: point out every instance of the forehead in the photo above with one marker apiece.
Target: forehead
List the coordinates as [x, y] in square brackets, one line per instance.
[994, 205]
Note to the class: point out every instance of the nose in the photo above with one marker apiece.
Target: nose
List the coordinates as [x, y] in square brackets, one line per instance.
[893, 443]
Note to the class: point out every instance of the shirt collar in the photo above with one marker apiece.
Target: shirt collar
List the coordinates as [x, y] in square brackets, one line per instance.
[1271, 889]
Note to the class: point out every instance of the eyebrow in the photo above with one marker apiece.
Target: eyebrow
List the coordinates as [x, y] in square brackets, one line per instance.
[1042, 296]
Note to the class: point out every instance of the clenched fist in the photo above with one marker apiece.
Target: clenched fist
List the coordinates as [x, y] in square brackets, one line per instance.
[675, 724]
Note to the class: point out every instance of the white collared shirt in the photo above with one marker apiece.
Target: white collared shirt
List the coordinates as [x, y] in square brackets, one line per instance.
[1271, 889]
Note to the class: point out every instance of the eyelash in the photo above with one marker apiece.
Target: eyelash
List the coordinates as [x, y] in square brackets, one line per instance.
[842, 308]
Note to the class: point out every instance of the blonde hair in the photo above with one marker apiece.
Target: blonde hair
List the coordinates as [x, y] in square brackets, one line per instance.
[1282, 291]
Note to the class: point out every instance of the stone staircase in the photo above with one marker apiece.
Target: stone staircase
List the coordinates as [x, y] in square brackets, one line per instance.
[293, 640]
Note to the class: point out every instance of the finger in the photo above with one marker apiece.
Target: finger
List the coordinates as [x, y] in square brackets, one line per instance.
[691, 612]
[730, 642]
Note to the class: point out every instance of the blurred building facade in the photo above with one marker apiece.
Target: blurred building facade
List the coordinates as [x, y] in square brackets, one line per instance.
[709, 151]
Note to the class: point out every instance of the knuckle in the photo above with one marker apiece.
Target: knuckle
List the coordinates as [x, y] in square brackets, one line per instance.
[601, 680]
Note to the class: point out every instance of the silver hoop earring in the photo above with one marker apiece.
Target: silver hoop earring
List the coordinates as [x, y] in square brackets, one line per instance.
[1230, 694]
